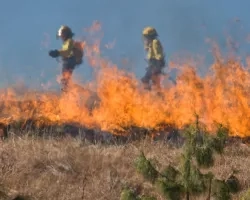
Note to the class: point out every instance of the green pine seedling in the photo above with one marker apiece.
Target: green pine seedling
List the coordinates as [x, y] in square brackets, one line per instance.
[146, 168]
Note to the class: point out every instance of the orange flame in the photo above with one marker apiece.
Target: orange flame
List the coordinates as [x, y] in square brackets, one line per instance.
[222, 96]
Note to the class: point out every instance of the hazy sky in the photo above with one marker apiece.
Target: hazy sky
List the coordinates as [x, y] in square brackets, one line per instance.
[182, 25]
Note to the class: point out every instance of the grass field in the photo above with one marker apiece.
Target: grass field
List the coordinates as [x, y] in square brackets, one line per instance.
[69, 168]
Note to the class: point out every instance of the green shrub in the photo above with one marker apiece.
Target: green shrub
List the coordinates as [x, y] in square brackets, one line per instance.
[147, 198]
[170, 189]
[233, 184]
[170, 173]
[145, 167]
[204, 156]
[128, 194]
[245, 195]
[220, 190]
[188, 180]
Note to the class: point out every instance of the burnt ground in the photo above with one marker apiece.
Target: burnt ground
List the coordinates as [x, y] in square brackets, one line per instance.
[166, 133]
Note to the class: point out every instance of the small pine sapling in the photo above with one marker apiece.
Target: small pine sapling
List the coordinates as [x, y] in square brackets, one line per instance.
[188, 181]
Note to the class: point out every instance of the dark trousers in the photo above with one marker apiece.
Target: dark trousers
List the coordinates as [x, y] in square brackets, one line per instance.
[68, 67]
[153, 73]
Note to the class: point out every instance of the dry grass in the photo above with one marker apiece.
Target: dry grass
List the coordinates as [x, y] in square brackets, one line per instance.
[69, 169]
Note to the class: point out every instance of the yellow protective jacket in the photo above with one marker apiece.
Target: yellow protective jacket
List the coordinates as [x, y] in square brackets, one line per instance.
[155, 50]
[67, 49]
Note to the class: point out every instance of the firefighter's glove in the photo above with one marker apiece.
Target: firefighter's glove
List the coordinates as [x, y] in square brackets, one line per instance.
[54, 53]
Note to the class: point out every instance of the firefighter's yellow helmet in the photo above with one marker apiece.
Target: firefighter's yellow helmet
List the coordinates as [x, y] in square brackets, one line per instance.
[149, 31]
[65, 30]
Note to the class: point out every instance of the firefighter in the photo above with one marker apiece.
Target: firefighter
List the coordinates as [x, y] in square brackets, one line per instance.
[67, 54]
[155, 58]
